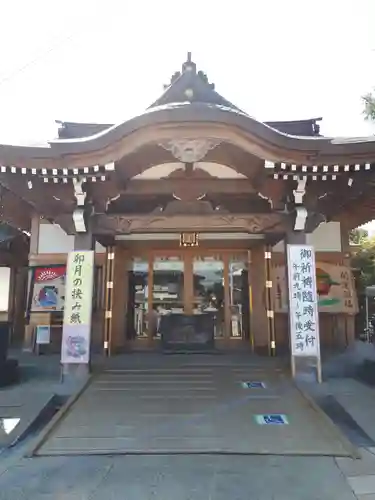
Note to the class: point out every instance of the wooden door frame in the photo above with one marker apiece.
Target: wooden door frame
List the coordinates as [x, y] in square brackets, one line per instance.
[187, 257]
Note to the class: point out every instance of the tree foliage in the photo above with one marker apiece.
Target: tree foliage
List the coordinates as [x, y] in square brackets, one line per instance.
[358, 236]
[369, 106]
[363, 263]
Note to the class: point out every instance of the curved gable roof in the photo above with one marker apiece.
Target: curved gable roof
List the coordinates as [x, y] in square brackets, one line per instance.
[212, 114]
[302, 128]
[190, 100]
[221, 122]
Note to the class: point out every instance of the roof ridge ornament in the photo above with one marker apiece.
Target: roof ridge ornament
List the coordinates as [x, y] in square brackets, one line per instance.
[189, 65]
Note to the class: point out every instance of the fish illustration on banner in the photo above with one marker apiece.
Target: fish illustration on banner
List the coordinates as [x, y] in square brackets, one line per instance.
[335, 287]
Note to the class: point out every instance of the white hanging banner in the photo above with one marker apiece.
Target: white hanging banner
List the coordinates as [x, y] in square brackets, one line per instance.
[76, 337]
[303, 304]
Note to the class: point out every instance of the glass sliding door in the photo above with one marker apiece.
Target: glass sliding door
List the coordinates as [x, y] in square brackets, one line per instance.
[189, 282]
[208, 290]
[238, 297]
[137, 316]
[167, 290]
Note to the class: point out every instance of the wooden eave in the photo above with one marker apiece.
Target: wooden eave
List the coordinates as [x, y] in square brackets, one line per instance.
[302, 128]
[245, 145]
[188, 120]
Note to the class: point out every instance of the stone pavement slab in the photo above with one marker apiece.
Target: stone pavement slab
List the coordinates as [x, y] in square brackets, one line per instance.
[20, 417]
[362, 485]
[362, 467]
[354, 396]
[175, 478]
[192, 409]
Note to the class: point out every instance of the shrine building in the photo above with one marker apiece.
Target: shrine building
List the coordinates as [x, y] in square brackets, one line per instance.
[188, 207]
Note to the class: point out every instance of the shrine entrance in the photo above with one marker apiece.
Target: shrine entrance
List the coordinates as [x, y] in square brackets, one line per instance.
[208, 284]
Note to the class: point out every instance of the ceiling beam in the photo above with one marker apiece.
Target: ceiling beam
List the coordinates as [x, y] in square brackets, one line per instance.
[14, 211]
[170, 185]
[42, 199]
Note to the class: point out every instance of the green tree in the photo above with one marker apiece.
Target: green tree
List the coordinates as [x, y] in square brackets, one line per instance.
[358, 236]
[369, 106]
[363, 266]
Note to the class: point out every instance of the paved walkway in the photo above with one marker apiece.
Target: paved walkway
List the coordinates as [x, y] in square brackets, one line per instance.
[175, 478]
[180, 406]
[197, 477]
[359, 401]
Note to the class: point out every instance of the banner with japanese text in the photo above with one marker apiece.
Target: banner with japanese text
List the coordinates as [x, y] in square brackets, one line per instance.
[76, 335]
[303, 300]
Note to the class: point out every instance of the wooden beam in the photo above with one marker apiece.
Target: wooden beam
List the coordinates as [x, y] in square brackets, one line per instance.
[170, 185]
[44, 198]
[14, 211]
[153, 223]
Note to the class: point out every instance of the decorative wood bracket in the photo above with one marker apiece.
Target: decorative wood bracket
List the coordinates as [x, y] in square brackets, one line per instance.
[300, 192]
[79, 211]
[301, 212]
[301, 217]
[78, 191]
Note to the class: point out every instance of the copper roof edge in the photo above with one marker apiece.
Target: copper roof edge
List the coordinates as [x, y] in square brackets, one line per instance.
[196, 112]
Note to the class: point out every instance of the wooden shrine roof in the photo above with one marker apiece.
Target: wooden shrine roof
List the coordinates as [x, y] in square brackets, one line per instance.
[271, 157]
[302, 128]
[223, 124]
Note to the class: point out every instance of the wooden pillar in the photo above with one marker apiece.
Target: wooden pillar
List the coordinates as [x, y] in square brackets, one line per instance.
[346, 322]
[227, 304]
[33, 250]
[188, 283]
[108, 296]
[259, 323]
[18, 302]
[34, 234]
[119, 305]
[150, 299]
[269, 301]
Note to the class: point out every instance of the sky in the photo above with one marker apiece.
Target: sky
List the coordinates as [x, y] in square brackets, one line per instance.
[106, 61]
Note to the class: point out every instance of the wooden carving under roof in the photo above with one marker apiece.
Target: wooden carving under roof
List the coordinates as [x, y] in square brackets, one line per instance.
[255, 224]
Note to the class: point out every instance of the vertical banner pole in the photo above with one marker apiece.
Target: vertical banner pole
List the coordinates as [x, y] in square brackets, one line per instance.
[76, 336]
[293, 366]
[303, 307]
[319, 370]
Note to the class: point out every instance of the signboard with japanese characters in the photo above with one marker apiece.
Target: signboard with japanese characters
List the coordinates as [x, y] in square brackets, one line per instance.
[303, 301]
[335, 287]
[78, 308]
